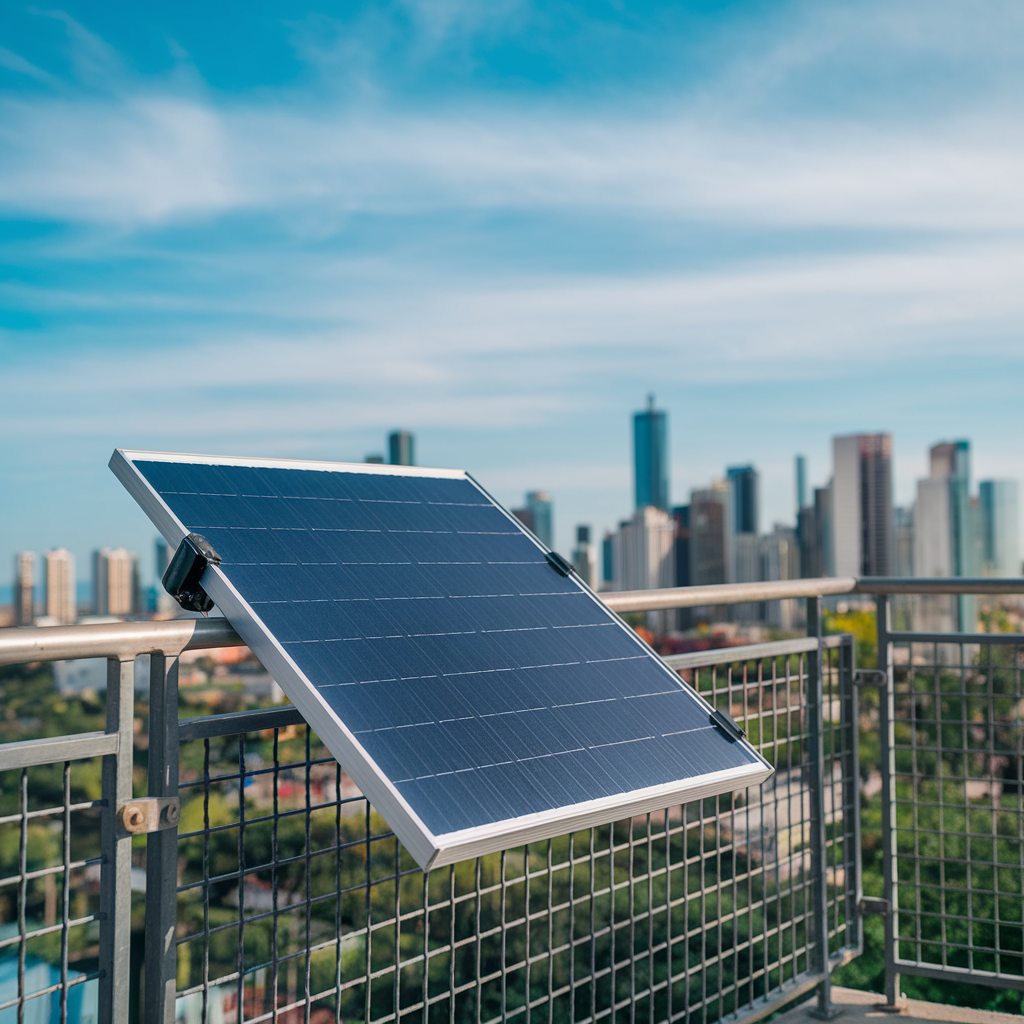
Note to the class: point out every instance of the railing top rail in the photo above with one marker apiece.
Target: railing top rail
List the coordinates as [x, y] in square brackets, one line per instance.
[122, 640]
[172, 636]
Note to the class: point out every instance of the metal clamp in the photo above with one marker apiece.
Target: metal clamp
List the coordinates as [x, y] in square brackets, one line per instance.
[149, 814]
[874, 905]
[871, 677]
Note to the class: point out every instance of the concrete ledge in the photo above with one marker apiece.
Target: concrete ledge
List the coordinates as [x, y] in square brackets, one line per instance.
[858, 1006]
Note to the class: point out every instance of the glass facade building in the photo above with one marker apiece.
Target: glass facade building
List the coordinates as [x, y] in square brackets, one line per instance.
[650, 456]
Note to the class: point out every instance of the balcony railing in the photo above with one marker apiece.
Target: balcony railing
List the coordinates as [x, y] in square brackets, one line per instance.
[281, 895]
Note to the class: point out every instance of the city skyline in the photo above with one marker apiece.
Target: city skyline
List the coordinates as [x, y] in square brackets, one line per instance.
[501, 230]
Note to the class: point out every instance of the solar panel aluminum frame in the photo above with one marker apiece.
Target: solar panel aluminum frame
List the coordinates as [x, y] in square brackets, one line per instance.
[427, 849]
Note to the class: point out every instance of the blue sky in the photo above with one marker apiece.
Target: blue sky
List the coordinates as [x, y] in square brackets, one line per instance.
[274, 230]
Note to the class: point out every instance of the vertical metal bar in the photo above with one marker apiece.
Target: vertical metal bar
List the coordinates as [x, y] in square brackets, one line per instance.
[65, 925]
[451, 944]
[275, 971]
[162, 847]
[337, 889]
[425, 996]
[529, 926]
[308, 864]
[816, 768]
[850, 711]
[887, 713]
[22, 894]
[206, 879]
[116, 867]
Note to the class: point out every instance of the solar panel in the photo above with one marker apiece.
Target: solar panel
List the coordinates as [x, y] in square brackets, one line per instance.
[479, 697]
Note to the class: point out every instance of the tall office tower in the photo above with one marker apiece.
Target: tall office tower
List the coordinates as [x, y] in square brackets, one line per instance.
[801, 482]
[584, 557]
[24, 588]
[903, 541]
[681, 555]
[116, 581]
[401, 448]
[862, 505]
[608, 560]
[780, 560]
[746, 511]
[650, 456]
[540, 506]
[60, 586]
[943, 536]
[1000, 539]
[644, 557]
[747, 552]
[711, 539]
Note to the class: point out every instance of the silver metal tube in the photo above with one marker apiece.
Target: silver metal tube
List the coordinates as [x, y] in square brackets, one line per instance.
[114, 640]
[728, 593]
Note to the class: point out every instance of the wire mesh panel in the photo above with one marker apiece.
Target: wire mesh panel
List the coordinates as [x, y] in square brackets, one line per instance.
[297, 903]
[959, 793]
[50, 891]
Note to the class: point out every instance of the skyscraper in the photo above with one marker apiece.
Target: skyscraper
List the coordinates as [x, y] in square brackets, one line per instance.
[650, 456]
[584, 557]
[801, 482]
[60, 586]
[116, 581]
[401, 448]
[862, 505]
[1000, 539]
[24, 588]
[746, 511]
[711, 539]
[944, 535]
[540, 506]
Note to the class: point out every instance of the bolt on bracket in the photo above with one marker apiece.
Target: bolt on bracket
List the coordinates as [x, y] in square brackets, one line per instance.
[875, 905]
[149, 814]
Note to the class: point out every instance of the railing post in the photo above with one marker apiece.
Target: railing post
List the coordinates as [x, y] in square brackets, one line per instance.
[116, 848]
[816, 766]
[886, 715]
[162, 846]
[851, 792]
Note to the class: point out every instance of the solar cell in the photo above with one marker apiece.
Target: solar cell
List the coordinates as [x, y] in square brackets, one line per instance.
[477, 696]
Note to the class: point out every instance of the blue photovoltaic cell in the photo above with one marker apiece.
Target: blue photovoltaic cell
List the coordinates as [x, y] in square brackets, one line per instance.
[484, 684]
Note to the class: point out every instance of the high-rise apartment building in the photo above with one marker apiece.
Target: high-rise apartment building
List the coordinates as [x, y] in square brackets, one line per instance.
[903, 541]
[711, 539]
[945, 535]
[744, 486]
[116, 581]
[584, 557]
[541, 508]
[24, 588]
[644, 551]
[681, 548]
[862, 505]
[61, 603]
[401, 448]
[650, 456]
[1000, 536]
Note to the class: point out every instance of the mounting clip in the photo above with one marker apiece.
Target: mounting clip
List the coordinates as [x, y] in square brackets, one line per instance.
[185, 569]
[561, 565]
[148, 814]
[870, 677]
[874, 905]
[725, 723]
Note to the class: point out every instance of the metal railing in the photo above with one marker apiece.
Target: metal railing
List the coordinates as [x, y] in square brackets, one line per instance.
[281, 895]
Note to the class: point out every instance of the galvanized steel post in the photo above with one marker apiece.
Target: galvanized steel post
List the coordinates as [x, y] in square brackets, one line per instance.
[116, 847]
[816, 768]
[886, 715]
[162, 846]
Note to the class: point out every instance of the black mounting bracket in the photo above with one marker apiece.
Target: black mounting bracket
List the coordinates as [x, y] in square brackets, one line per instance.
[725, 723]
[561, 565]
[185, 569]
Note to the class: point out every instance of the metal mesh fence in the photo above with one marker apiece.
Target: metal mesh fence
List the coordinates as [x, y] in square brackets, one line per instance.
[297, 903]
[959, 795]
[49, 891]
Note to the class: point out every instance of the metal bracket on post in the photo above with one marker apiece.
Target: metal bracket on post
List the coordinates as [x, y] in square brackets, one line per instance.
[874, 905]
[870, 677]
[149, 814]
